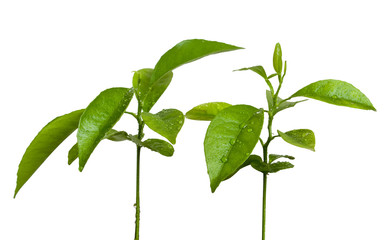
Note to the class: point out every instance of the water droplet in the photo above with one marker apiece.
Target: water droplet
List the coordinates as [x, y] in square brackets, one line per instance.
[334, 97]
[180, 122]
[224, 159]
[247, 154]
[242, 125]
[232, 141]
[249, 130]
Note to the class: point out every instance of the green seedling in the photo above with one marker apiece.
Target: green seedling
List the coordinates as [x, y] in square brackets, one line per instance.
[235, 130]
[96, 122]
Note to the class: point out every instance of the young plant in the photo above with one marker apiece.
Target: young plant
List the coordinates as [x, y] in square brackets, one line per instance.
[96, 122]
[235, 130]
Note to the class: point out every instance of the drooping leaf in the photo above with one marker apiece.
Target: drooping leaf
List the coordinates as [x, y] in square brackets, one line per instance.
[100, 117]
[285, 104]
[336, 92]
[230, 139]
[277, 59]
[257, 69]
[112, 135]
[160, 146]
[303, 138]
[273, 157]
[167, 123]
[47, 140]
[206, 111]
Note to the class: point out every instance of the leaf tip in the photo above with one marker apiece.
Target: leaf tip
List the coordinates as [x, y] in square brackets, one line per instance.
[80, 168]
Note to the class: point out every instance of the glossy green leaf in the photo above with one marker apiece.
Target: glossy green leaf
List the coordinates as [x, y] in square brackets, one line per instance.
[303, 138]
[272, 75]
[269, 99]
[160, 146]
[257, 69]
[230, 139]
[45, 142]
[285, 104]
[112, 135]
[99, 118]
[150, 91]
[245, 164]
[336, 92]
[273, 157]
[277, 166]
[167, 123]
[141, 83]
[206, 111]
[277, 59]
[184, 52]
[263, 167]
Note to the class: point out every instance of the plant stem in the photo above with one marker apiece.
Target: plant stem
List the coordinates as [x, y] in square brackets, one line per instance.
[139, 136]
[264, 205]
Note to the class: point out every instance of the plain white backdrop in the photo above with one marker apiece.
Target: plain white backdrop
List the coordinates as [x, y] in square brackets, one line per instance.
[56, 56]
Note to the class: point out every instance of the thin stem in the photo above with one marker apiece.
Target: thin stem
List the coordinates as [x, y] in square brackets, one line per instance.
[140, 135]
[264, 205]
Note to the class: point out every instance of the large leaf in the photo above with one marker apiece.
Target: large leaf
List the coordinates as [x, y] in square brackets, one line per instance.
[160, 146]
[47, 140]
[230, 139]
[336, 92]
[167, 123]
[99, 117]
[182, 53]
[303, 138]
[206, 111]
[277, 59]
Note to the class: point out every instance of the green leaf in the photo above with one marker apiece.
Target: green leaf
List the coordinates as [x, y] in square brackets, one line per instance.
[272, 75]
[150, 91]
[245, 164]
[100, 117]
[336, 92]
[230, 139]
[112, 135]
[141, 83]
[303, 138]
[160, 146]
[277, 166]
[269, 99]
[257, 69]
[167, 123]
[277, 59]
[184, 52]
[206, 111]
[73, 154]
[273, 157]
[47, 140]
[285, 104]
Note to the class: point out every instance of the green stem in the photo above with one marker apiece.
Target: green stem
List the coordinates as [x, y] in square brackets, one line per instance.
[139, 136]
[264, 205]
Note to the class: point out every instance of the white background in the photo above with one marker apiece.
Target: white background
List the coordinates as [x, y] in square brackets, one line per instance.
[56, 56]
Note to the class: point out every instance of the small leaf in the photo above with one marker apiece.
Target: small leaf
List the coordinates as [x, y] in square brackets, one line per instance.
[245, 164]
[100, 117]
[73, 154]
[141, 83]
[206, 111]
[303, 138]
[273, 157]
[336, 92]
[167, 123]
[230, 139]
[277, 166]
[272, 75]
[269, 99]
[112, 135]
[184, 52]
[258, 164]
[285, 104]
[277, 59]
[257, 69]
[160, 146]
[47, 140]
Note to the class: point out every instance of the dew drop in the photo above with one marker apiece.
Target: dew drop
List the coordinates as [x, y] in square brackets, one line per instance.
[247, 154]
[224, 159]
[242, 125]
[232, 141]
[249, 130]
[180, 122]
